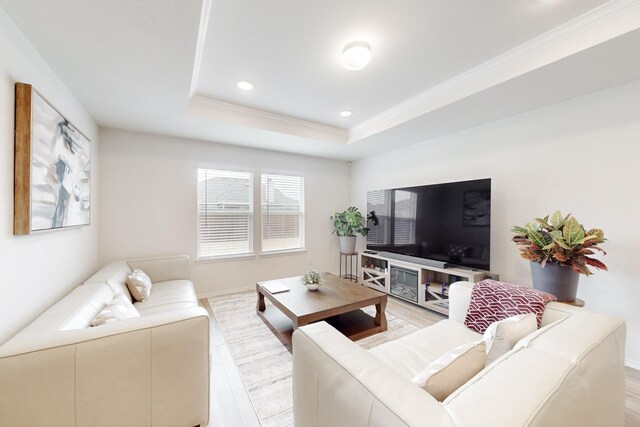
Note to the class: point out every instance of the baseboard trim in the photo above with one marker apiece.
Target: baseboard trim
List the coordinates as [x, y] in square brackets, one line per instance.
[632, 364]
[220, 293]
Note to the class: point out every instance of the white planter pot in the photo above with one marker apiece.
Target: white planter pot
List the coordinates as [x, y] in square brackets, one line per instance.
[347, 244]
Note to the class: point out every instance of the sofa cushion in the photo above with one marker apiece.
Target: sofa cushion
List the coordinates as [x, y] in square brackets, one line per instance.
[169, 295]
[410, 354]
[74, 311]
[115, 275]
[120, 308]
[502, 335]
[452, 370]
[163, 269]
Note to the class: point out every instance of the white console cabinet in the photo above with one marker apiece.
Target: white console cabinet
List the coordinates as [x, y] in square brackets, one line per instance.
[414, 282]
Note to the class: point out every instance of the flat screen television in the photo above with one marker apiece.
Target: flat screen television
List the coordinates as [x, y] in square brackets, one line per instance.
[443, 222]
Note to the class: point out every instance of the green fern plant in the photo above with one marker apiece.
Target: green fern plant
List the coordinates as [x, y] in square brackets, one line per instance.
[560, 240]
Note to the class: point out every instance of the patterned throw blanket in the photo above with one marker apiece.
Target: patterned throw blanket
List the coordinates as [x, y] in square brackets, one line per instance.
[492, 301]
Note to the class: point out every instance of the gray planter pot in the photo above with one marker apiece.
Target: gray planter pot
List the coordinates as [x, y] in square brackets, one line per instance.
[556, 279]
[347, 244]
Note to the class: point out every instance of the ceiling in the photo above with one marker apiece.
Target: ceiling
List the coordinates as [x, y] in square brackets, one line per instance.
[293, 56]
[170, 68]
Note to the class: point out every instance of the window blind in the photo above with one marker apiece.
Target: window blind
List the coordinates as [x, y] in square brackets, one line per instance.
[225, 213]
[282, 212]
[406, 205]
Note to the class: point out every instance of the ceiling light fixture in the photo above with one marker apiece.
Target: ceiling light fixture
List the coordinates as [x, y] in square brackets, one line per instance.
[356, 55]
[346, 113]
[244, 85]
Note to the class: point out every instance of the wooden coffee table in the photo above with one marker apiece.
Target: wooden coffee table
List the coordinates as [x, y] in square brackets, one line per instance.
[338, 302]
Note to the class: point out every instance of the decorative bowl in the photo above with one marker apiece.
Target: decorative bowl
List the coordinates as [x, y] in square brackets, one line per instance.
[313, 286]
[312, 280]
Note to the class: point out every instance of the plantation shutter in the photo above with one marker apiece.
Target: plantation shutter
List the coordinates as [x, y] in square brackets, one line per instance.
[378, 201]
[225, 213]
[406, 205]
[282, 212]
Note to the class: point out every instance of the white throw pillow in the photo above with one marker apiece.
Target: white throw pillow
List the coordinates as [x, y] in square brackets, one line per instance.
[501, 336]
[452, 370]
[119, 308]
[139, 285]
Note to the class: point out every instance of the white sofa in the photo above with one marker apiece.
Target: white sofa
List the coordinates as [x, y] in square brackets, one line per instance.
[150, 370]
[568, 373]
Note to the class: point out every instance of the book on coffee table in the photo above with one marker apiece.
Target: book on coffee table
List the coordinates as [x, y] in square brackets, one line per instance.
[275, 287]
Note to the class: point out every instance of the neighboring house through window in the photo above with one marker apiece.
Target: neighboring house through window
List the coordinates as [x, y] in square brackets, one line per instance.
[406, 206]
[282, 211]
[225, 213]
[379, 201]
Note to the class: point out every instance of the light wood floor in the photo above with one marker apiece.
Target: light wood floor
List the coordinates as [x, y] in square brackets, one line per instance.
[231, 406]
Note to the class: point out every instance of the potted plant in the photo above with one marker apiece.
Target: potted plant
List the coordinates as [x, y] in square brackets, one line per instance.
[312, 279]
[559, 249]
[346, 224]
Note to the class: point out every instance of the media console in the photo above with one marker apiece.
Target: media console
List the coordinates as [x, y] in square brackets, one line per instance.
[414, 280]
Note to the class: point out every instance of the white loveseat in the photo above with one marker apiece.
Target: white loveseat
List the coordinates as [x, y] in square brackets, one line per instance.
[568, 373]
[150, 370]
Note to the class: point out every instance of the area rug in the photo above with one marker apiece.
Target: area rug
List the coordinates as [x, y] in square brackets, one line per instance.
[264, 363]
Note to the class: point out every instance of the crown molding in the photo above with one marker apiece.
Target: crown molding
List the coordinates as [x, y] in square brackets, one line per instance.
[202, 35]
[231, 113]
[597, 26]
[604, 23]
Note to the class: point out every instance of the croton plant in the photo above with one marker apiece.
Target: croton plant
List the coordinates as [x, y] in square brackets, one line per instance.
[561, 240]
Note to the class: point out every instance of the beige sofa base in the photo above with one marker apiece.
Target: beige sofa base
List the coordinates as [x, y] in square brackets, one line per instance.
[148, 371]
[569, 373]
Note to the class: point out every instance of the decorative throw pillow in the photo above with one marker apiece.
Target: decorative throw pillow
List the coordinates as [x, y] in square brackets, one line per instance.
[501, 336]
[139, 285]
[119, 308]
[492, 301]
[452, 370]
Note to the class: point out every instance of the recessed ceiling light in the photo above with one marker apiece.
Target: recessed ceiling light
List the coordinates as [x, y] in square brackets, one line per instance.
[346, 113]
[244, 85]
[356, 55]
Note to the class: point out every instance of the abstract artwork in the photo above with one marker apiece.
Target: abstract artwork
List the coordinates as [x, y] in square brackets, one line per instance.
[52, 167]
[477, 208]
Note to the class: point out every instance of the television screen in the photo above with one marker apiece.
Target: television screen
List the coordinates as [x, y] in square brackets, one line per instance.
[444, 222]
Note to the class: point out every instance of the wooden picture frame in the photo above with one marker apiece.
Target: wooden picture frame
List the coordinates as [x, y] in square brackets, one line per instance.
[52, 167]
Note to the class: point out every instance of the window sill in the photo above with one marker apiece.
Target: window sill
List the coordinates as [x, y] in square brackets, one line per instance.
[284, 252]
[240, 257]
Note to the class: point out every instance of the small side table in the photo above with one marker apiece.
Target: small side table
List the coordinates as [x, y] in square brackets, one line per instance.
[349, 261]
[578, 302]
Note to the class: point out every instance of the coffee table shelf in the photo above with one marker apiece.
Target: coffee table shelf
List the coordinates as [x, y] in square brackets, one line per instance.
[355, 325]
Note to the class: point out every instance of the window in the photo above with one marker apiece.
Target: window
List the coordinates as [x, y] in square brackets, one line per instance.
[282, 212]
[405, 218]
[225, 213]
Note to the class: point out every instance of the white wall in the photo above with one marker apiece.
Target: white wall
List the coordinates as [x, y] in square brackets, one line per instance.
[37, 270]
[148, 200]
[581, 156]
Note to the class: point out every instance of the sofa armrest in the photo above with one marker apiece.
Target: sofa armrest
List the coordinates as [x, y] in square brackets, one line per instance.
[337, 383]
[124, 373]
[459, 300]
[162, 269]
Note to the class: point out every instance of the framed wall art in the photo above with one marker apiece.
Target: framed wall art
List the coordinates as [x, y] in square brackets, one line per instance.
[52, 182]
